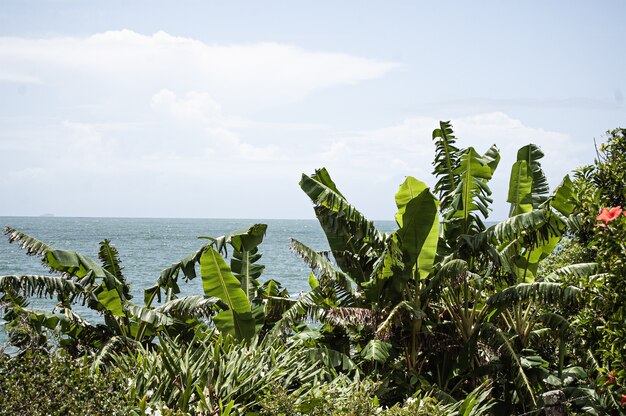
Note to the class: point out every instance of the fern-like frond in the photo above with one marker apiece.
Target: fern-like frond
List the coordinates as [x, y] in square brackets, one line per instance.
[195, 306]
[150, 316]
[351, 317]
[30, 244]
[573, 271]
[109, 256]
[321, 265]
[541, 292]
[40, 286]
[447, 158]
[353, 239]
[502, 344]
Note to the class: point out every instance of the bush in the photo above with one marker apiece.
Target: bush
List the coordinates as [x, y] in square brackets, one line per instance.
[35, 384]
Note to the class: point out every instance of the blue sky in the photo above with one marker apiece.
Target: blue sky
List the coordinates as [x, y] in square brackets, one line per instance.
[214, 109]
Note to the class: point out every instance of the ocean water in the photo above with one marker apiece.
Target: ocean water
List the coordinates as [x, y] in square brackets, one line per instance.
[149, 245]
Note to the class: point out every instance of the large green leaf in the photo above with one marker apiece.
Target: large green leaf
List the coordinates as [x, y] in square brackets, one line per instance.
[528, 186]
[218, 281]
[110, 299]
[562, 200]
[447, 157]
[472, 193]
[376, 350]
[109, 256]
[354, 241]
[73, 263]
[520, 189]
[243, 261]
[418, 224]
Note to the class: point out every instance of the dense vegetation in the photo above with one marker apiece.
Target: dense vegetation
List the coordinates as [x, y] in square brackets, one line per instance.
[443, 316]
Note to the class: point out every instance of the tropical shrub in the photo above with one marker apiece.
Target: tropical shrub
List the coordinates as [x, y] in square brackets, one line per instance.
[214, 371]
[54, 384]
[234, 301]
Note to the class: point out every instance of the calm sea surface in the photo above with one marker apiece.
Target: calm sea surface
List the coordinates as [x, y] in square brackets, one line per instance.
[148, 245]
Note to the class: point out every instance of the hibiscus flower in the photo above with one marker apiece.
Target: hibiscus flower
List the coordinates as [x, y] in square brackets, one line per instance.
[609, 214]
[611, 379]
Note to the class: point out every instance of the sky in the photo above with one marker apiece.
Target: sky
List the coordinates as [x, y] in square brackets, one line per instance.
[214, 109]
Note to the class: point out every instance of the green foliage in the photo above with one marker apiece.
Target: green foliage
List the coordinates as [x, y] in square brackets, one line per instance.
[213, 370]
[447, 308]
[598, 187]
[235, 303]
[219, 282]
[443, 316]
[39, 384]
[569, 251]
[528, 186]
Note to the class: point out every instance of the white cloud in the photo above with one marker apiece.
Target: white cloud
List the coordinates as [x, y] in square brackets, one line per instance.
[250, 75]
[18, 78]
[216, 128]
[194, 106]
[193, 151]
[371, 164]
[158, 124]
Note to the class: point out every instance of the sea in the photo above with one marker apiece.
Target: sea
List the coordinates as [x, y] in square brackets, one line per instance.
[148, 245]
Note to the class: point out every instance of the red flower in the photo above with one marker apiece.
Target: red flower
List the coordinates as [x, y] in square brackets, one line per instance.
[623, 401]
[609, 214]
[611, 379]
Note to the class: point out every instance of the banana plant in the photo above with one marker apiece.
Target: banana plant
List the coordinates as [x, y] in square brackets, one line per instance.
[103, 288]
[381, 277]
[439, 271]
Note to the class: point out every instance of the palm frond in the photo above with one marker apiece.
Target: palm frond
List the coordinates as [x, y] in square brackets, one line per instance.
[311, 305]
[168, 279]
[556, 323]
[113, 346]
[109, 256]
[471, 194]
[540, 188]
